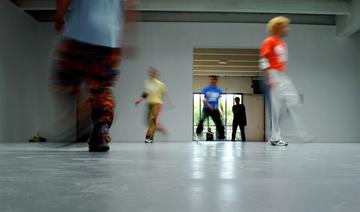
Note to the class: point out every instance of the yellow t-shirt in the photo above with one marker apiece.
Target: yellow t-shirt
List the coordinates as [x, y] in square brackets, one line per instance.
[155, 90]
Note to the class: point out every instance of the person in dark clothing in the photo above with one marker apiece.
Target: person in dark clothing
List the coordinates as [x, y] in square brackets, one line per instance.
[239, 119]
[209, 135]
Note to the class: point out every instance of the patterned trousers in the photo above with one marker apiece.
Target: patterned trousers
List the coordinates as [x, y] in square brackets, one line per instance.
[76, 64]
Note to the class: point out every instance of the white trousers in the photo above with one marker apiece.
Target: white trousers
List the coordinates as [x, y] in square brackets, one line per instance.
[284, 99]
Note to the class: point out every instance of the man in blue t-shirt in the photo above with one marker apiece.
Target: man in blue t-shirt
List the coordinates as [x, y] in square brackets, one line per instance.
[211, 108]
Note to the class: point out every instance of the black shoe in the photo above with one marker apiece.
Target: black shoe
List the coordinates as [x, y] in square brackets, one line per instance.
[100, 139]
[99, 147]
[221, 138]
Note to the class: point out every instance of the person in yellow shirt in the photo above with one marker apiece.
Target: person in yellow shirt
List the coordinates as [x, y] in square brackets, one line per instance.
[154, 91]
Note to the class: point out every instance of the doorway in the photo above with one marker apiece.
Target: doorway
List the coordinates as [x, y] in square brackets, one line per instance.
[236, 68]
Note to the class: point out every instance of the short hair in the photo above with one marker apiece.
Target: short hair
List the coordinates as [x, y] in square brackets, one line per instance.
[151, 68]
[214, 76]
[237, 99]
[277, 23]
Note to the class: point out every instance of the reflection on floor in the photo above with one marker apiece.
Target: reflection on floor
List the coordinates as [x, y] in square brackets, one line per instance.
[180, 177]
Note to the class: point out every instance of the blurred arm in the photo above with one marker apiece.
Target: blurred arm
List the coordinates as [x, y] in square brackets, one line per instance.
[141, 98]
[221, 107]
[208, 104]
[130, 12]
[61, 8]
[264, 63]
[131, 16]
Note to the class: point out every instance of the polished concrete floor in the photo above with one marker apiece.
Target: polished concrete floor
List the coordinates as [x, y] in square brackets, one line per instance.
[180, 177]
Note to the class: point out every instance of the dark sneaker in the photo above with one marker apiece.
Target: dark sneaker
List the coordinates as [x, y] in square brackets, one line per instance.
[100, 139]
[99, 147]
[221, 138]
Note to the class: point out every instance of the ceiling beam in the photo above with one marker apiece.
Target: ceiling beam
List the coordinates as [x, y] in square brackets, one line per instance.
[226, 51]
[347, 25]
[229, 74]
[205, 17]
[205, 58]
[226, 64]
[338, 7]
[320, 7]
[229, 69]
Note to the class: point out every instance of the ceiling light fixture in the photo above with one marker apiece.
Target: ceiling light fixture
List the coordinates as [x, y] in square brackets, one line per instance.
[222, 62]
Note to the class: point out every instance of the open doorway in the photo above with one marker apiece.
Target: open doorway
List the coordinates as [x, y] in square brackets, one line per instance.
[236, 69]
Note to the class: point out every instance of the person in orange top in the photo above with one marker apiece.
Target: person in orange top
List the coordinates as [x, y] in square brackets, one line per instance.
[273, 60]
[274, 53]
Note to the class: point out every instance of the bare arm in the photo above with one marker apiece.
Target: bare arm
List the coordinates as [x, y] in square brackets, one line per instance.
[264, 62]
[208, 104]
[221, 108]
[265, 67]
[130, 13]
[166, 94]
[140, 99]
[268, 80]
[245, 115]
[61, 8]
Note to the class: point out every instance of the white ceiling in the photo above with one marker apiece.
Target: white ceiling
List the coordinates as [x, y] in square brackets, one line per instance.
[345, 14]
[226, 62]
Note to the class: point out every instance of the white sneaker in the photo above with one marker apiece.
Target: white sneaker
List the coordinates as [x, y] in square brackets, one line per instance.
[148, 141]
[282, 143]
[279, 143]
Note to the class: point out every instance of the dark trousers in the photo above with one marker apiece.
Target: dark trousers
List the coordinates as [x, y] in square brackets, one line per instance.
[242, 129]
[215, 116]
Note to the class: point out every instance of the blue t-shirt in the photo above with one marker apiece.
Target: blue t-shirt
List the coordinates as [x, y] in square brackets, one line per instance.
[212, 95]
[97, 22]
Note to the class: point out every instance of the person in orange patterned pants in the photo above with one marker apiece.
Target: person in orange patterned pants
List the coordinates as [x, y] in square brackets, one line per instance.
[76, 63]
[88, 54]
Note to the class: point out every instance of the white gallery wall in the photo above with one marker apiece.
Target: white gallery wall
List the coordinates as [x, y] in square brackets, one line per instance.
[19, 73]
[323, 66]
[356, 37]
